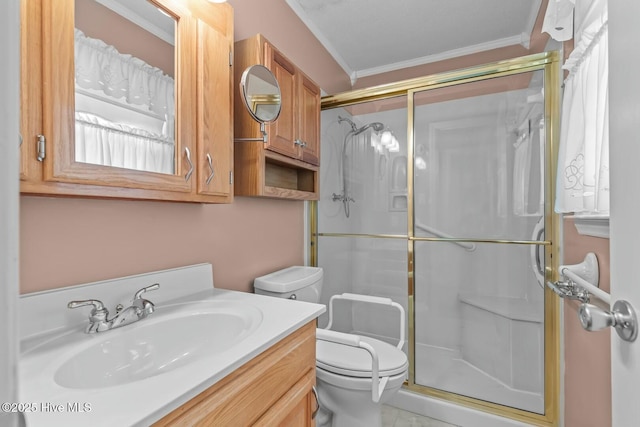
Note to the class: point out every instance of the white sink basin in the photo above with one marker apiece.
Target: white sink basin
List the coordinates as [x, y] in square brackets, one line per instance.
[170, 338]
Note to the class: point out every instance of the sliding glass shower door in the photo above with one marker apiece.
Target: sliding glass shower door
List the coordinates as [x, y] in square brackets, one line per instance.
[439, 196]
[478, 186]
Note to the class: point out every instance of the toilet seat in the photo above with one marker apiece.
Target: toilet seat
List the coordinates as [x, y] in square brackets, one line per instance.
[356, 362]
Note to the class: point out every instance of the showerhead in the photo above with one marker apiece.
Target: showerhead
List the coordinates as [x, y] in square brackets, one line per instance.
[376, 126]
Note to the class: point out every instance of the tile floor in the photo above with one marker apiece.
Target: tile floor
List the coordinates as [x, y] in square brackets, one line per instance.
[394, 417]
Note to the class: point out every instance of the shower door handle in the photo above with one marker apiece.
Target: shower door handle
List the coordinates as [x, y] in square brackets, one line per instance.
[538, 269]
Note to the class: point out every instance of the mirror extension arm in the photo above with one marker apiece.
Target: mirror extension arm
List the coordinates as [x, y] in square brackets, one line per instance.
[262, 131]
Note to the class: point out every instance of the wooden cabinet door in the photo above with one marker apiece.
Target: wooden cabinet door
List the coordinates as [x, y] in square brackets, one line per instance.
[30, 89]
[295, 409]
[282, 133]
[309, 122]
[214, 113]
[59, 121]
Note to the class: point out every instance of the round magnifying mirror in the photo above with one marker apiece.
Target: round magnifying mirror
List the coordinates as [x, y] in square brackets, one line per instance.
[261, 93]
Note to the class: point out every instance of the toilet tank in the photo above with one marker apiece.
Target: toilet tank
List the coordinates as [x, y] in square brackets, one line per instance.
[299, 283]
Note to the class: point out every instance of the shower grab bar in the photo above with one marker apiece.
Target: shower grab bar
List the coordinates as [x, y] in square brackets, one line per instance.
[581, 280]
[581, 283]
[467, 245]
[595, 291]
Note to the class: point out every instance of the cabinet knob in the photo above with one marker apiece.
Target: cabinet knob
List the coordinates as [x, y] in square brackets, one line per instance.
[300, 143]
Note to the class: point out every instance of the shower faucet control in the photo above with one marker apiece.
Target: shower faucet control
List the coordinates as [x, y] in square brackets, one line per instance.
[341, 198]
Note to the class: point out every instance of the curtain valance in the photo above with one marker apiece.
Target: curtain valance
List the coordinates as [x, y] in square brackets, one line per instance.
[100, 66]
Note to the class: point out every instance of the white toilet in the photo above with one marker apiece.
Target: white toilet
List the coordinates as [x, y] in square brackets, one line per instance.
[355, 374]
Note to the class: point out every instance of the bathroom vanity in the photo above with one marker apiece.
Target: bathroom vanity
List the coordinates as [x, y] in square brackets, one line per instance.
[204, 356]
[273, 389]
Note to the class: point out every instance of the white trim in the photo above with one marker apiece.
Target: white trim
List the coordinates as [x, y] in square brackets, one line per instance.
[468, 50]
[298, 10]
[140, 21]
[9, 208]
[591, 225]
[525, 40]
[624, 116]
[521, 39]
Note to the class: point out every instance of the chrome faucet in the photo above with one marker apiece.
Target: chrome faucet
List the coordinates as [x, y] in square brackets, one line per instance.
[99, 317]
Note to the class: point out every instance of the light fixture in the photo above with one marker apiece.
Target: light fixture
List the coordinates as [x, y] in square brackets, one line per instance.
[387, 138]
[375, 140]
[217, 1]
[395, 146]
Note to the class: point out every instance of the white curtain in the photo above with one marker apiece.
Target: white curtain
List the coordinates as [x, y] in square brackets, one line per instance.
[126, 82]
[101, 67]
[101, 142]
[583, 160]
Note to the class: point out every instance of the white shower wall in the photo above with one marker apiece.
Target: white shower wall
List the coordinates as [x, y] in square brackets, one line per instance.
[368, 173]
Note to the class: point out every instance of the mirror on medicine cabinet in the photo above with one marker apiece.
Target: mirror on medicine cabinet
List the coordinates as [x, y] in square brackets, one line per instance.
[261, 96]
[124, 54]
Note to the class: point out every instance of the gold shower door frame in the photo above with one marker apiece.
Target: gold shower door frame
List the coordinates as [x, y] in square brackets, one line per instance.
[549, 63]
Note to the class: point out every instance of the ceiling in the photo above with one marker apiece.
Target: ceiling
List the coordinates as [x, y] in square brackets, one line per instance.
[368, 37]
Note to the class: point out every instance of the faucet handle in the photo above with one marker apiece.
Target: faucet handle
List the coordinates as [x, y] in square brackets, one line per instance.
[97, 305]
[153, 287]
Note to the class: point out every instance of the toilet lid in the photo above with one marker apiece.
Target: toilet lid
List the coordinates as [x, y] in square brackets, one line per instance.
[356, 362]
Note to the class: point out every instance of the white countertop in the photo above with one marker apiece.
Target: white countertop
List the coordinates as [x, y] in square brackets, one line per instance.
[144, 401]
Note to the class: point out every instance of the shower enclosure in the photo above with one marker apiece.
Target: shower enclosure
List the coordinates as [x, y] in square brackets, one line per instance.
[437, 194]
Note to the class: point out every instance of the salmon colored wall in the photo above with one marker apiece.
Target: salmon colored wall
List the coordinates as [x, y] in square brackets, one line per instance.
[281, 26]
[587, 377]
[71, 241]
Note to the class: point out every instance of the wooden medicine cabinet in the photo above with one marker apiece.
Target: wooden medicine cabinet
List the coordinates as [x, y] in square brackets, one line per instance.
[101, 117]
[286, 164]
